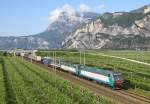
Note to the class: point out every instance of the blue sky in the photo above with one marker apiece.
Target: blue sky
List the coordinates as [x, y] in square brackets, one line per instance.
[27, 17]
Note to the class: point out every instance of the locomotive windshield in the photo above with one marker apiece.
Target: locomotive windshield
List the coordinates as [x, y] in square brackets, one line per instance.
[118, 76]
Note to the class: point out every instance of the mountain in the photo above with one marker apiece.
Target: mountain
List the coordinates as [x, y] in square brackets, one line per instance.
[119, 30]
[143, 9]
[60, 29]
[87, 30]
[67, 21]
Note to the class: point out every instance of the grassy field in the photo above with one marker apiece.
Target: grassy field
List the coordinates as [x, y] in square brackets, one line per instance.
[138, 74]
[143, 56]
[22, 82]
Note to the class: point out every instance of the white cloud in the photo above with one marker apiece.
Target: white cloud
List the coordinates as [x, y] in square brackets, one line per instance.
[100, 6]
[67, 7]
[84, 8]
[69, 10]
[54, 15]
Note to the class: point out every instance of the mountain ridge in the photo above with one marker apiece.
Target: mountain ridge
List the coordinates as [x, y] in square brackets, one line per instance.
[88, 30]
[119, 30]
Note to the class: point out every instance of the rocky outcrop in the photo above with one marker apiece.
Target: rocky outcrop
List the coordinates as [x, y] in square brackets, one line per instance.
[114, 31]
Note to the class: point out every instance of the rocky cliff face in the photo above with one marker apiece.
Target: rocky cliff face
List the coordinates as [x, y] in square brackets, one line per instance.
[121, 30]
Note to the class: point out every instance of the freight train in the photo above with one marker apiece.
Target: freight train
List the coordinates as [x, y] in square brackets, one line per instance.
[106, 76]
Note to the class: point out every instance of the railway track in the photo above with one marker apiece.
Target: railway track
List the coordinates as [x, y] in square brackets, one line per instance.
[142, 98]
[121, 96]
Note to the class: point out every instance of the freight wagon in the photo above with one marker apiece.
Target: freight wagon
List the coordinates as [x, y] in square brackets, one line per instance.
[51, 61]
[46, 60]
[33, 57]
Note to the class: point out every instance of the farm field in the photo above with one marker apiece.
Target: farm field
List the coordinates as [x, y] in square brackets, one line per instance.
[143, 56]
[138, 74]
[22, 82]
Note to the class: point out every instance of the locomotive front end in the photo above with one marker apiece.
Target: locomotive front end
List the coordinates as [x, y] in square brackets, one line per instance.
[118, 80]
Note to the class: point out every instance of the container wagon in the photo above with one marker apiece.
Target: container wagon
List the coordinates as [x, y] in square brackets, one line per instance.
[46, 60]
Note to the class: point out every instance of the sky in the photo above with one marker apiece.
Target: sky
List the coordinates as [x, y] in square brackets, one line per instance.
[28, 17]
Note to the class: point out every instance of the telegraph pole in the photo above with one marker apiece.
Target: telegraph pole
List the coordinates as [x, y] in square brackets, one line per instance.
[80, 57]
[84, 57]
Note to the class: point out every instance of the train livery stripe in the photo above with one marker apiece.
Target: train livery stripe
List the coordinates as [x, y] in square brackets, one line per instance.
[95, 76]
[67, 68]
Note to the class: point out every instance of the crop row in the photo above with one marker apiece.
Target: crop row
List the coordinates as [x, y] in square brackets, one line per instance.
[26, 83]
[43, 92]
[21, 91]
[10, 97]
[2, 84]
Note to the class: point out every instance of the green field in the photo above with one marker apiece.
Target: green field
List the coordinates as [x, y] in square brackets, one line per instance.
[22, 82]
[138, 74]
[143, 56]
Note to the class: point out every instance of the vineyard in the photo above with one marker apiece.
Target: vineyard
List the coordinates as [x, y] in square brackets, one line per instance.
[138, 74]
[22, 82]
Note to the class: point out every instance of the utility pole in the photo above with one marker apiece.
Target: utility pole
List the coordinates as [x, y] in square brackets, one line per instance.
[84, 57]
[22, 54]
[31, 55]
[80, 57]
[53, 60]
